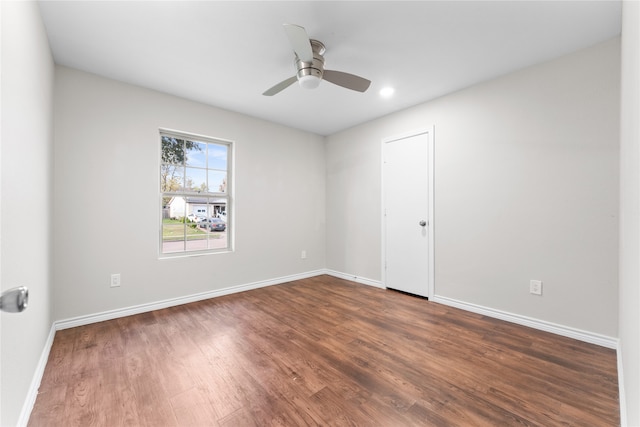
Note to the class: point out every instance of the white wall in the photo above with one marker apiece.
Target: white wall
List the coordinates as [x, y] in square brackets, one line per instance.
[106, 210]
[27, 93]
[526, 187]
[629, 331]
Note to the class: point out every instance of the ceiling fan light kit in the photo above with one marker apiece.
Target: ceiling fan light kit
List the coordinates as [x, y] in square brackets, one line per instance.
[309, 82]
[309, 63]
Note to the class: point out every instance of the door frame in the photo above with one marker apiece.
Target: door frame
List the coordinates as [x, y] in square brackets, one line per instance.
[430, 132]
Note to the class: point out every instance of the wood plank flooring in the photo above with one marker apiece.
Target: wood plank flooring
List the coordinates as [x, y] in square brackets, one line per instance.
[322, 351]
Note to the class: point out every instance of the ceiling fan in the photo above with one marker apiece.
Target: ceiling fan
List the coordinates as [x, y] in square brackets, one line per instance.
[309, 64]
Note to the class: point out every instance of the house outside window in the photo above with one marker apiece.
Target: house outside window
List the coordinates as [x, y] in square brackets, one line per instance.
[195, 193]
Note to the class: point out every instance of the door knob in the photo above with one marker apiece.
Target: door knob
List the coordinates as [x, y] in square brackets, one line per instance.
[14, 300]
[422, 223]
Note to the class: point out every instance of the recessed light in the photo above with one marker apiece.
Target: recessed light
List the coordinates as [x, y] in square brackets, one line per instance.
[386, 92]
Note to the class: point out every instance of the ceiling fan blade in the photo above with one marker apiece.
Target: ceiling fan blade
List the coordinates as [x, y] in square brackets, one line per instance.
[280, 86]
[350, 81]
[299, 40]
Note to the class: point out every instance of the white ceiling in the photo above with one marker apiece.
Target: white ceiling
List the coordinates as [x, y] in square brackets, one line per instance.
[226, 53]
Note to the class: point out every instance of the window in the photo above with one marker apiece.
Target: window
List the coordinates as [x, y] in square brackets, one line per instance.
[195, 188]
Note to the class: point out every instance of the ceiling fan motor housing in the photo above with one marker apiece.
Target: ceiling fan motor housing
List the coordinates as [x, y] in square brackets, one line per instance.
[310, 73]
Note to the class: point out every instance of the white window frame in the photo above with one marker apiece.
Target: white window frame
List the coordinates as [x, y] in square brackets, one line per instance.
[227, 195]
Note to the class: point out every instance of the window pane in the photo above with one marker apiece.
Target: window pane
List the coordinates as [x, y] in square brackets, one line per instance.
[197, 208]
[172, 150]
[197, 245]
[217, 156]
[218, 206]
[172, 247]
[173, 226]
[171, 177]
[196, 154]
[177, 208]
[218, 239]
[196, 180]
[217, 181]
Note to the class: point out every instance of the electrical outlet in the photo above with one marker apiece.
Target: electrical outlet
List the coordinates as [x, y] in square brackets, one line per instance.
[535, 287]
[303, 255]
[115, 280]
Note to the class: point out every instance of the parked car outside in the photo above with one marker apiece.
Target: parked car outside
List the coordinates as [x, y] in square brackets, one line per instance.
[217, 225]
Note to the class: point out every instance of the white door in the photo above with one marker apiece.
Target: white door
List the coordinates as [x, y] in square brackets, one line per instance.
[407, 217]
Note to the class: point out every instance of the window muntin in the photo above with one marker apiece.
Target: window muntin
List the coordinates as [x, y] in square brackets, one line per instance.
[195, 190]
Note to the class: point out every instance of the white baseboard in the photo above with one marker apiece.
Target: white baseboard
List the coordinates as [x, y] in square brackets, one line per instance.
[144, 308]
[32, 394]
[566, 331]
[592, 338]
[354, 278]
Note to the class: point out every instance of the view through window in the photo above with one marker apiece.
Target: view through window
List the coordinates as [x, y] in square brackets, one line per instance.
[195, 187]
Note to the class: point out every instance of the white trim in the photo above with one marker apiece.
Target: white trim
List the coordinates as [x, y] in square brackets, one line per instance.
[32, 393]
[432, 220]
[355, 278]
[191, 135]
[430, 132]
[228, 195]
[622, 398]
[144, 308]
[566, 331]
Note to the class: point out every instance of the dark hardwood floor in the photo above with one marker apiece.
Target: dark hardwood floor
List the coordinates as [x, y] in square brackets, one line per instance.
[322, 351]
